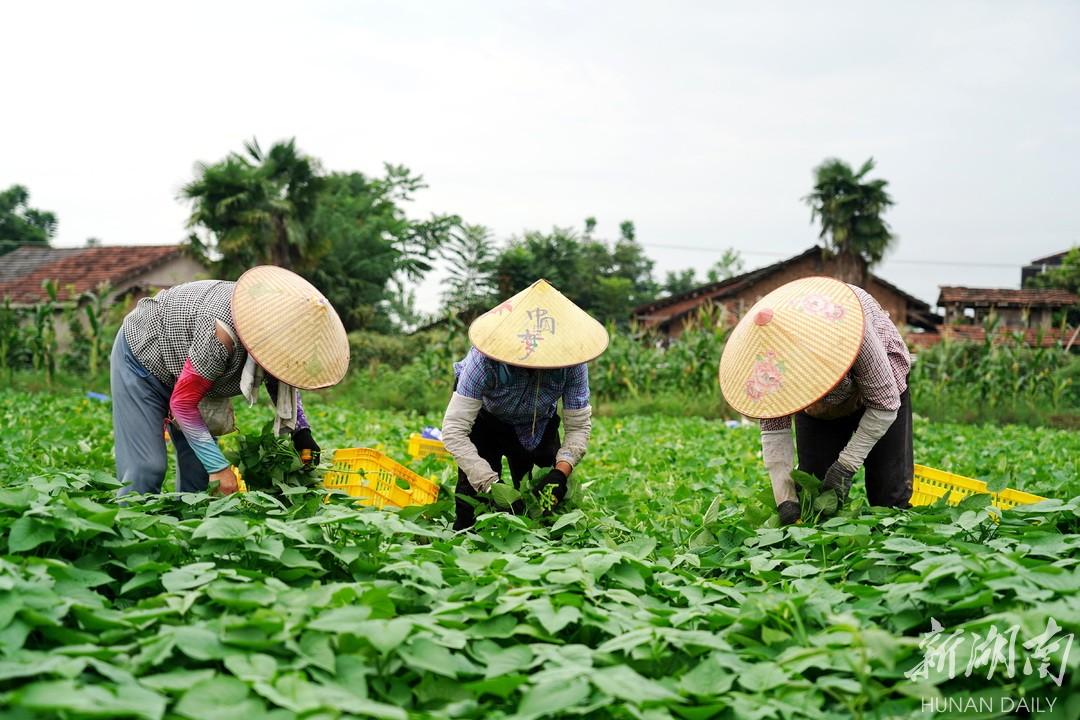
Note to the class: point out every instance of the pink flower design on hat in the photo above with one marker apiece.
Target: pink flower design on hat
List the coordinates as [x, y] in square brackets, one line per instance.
[766, 376]
[820, 305]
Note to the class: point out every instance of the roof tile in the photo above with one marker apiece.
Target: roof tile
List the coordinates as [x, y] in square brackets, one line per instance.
[79, 270]
[1051, 297]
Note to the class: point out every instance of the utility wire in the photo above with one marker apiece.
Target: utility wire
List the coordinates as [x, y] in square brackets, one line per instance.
[966, 263]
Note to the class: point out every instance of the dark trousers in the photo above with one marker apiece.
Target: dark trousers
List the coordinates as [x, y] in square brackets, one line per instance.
[495, 440]
[890, 465]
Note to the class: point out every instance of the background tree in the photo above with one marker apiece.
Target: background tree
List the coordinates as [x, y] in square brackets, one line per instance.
[345, 232]
[257, 208]
[470, 256]
[590, 227]
[1065, 276]
[729, 265]
[372, 243]
[607, 280]
[677, 282]
[21, 224]
[850, 209]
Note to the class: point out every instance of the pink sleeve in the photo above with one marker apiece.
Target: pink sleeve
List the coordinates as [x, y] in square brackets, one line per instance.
[190, 389]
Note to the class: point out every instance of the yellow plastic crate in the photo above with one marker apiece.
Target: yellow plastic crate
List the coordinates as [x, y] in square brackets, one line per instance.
[377, 480]
[931, 485]
[420, 446]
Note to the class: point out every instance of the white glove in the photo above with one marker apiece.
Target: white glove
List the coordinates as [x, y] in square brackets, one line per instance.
[577, 426]
[456, 425]
[872, 427]
[778, 451]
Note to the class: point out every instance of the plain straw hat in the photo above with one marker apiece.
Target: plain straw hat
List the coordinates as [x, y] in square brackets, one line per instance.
[538, 328]
[794, 345]
[289, 328]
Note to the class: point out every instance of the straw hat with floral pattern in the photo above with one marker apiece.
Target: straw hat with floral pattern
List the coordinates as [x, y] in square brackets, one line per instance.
[792, 347]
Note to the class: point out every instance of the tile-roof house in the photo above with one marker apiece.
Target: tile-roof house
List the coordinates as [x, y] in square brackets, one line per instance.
[737, 294]
[1014, 309]
[128, 270]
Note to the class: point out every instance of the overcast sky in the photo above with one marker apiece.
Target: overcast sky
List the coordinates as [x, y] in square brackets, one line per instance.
[700, 121]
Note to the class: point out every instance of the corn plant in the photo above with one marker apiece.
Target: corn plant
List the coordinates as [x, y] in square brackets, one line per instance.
[10, 333]
[96, 312]
[43, 340]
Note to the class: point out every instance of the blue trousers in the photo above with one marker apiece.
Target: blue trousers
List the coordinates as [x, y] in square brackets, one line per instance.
[140, 405]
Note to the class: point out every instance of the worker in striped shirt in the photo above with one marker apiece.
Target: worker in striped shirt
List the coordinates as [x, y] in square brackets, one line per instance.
[527, 354]
[181, 355]
[826, 354]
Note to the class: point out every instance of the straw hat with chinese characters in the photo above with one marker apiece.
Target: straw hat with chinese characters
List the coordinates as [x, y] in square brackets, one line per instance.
[538, 328]
[794, 345]
[289, 328]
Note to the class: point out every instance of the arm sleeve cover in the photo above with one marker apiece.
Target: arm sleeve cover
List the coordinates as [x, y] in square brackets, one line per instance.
[190, 388]
[457, 424]
[577, 426]
[778, 451]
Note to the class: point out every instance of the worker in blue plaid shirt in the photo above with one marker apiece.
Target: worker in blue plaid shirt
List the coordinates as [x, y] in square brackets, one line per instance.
[528, 353]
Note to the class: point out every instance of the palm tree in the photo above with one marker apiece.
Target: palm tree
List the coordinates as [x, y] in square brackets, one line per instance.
[470, 256]
[850, 210]
[258, 207]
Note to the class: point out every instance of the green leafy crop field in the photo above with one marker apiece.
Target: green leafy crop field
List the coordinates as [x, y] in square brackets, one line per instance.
[661, 590]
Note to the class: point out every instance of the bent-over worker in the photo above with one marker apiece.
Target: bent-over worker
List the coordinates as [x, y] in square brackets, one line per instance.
[181, 355]
[826, 353]
[527, 354]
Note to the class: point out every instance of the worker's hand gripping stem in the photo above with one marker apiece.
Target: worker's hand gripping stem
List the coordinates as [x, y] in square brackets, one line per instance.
[306, 447]
[838, 479]
[226, 481]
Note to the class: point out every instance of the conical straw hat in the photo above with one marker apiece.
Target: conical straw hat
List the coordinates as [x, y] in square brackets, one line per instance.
[290, 328]
[538, 328]
[793, 346]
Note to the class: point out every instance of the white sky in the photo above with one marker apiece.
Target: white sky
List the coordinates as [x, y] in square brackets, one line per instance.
[700, 121]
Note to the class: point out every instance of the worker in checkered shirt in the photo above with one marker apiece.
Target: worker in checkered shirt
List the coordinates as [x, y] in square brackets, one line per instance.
[826, 354]
[528, 353]
[181, 355]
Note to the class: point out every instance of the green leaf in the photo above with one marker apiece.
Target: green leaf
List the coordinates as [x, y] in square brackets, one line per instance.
[385, 635]
[189, 576]
[350, 619]
[800, 570]
[905, 545]
[221, 528]
[241, 596]
[549, 699]
[220, 698]
[826, 503]
[553, 620]
[423, 654]
[623, 683]
[198, 642]
[255, 667]
[66, 696]
[28, 532]
[176, 680]
[502, 686]
[571, 518]
[504, 495]
[499, 660]
[709, 677]
[762, 676]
